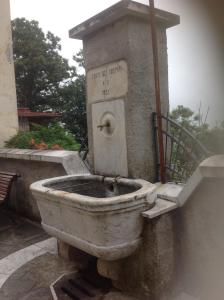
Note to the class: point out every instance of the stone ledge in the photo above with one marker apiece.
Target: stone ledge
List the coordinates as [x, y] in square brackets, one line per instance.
[169, 191]
[119, 10]
[212, 167]
[161, 207]
[70, 160]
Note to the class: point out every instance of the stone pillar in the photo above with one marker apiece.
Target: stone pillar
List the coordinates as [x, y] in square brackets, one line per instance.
[149, 273]
[120, 87]
[8, 103]
[69, 253]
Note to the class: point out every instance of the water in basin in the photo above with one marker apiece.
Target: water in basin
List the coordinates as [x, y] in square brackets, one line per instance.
[98, 188]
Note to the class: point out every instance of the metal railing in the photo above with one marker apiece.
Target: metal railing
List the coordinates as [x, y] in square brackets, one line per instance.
[183, 152]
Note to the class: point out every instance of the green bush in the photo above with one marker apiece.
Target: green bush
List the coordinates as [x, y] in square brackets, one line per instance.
[40, 137]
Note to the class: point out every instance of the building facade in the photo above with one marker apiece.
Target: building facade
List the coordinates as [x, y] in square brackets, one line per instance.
[8, 103]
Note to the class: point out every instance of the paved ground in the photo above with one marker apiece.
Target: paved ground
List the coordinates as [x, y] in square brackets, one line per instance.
[32, 280]
[17, 233]
[29, 262]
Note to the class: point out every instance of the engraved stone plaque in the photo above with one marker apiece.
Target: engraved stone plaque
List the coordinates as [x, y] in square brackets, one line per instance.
[107, 82]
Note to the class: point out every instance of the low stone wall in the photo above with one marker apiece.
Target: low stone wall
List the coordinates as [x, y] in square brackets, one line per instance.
[199, 233]
[33, 166]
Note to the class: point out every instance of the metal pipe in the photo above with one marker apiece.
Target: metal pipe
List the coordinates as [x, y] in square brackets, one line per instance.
[157, 91]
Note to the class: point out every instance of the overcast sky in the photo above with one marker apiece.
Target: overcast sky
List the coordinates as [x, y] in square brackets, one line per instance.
[195, 71]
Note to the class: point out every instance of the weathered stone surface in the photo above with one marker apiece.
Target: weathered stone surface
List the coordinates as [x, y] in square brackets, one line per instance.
[116, 12]
[69, 160]
[69, 253]
[149, 272]
[21, 199]
[122, 33]
[104, 268]
[161, 207]
[213, 167]
[17, 233]
[107, 226]
[199, 233]
[32, 281]
[107, 82]
[35, 165]
[8, 102]
[110, 147]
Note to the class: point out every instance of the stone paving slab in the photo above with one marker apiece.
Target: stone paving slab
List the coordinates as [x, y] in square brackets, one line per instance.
[32, 281]
[11, 263]
[17, 233]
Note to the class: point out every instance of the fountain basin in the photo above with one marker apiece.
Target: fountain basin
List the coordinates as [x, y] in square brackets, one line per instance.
[101, 216]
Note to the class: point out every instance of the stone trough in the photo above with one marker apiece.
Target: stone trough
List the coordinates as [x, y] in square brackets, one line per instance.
[101, 216]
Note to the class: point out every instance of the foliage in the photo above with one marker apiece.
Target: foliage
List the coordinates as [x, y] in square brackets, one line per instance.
[79, 59]
[40, 69]
[184, 153]
[211, 137]
[54, 137]
[44, 79]
[185, 117]
[73, 108]
[74, 115]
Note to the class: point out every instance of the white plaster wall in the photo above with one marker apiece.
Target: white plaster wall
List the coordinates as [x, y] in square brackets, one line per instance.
[8, 103]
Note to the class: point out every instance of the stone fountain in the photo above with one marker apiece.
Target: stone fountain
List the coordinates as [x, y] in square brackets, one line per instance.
[101, 213]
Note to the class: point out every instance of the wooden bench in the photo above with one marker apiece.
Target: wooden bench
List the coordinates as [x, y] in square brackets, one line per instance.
[6, 180]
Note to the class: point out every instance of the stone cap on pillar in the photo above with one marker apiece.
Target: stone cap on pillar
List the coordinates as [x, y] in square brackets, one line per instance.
[119, 10]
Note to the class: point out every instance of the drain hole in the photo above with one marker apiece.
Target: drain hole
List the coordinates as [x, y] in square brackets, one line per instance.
[91, 282]
[81, 288]
[69, 293]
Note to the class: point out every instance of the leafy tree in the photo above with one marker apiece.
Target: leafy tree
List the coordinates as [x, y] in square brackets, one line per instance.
[44, 79]
[211, 137]
[72, 102]
[79, 59]
[188, 119]
[40, 69]
[184, 153]
[73, 108]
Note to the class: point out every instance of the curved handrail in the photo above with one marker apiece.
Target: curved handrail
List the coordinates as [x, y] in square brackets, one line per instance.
[183, 152]
[203, 148]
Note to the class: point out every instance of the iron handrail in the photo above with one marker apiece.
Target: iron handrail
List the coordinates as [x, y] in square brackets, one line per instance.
[203, 148]
[183, 152]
